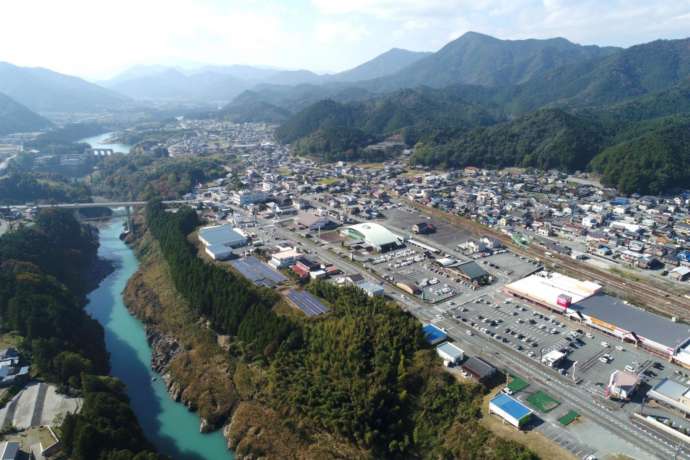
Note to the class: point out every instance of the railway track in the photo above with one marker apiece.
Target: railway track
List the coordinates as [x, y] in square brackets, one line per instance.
[640, 293]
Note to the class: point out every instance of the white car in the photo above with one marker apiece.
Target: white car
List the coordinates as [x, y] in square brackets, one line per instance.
[468, 332]
[604, 344]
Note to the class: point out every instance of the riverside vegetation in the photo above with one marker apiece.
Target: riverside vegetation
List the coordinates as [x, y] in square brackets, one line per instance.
[359, 382]
[42, 298]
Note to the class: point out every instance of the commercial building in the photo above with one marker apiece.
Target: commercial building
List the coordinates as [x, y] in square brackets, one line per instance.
[472, 272]
[247, 197]
[552, 290]
[510, 410]
[450, 354]
[553, 358]
[671, 394]
[284, 258]
[375, 235]
[652, 332]
[622, 385]
[583, 301]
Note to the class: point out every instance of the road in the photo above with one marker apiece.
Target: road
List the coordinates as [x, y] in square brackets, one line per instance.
[506, 358]
[108, 204]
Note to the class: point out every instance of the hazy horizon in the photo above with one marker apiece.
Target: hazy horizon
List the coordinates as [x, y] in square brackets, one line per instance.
[99, 39]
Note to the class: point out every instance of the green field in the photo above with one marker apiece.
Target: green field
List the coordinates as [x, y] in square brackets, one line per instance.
[568, 418]
[542, 401]
[517, 384]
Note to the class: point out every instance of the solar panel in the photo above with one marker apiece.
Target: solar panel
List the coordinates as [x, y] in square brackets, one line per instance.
[258, 272]
[310, 305]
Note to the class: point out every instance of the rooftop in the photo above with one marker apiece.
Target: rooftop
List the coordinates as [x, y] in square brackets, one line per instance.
[643, 323]
[220, 235]
[375, 234]
[511, 406]
[451, 350]
[670, 389]
[545, 287]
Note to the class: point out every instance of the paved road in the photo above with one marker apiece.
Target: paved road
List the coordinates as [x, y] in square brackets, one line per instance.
[592, 407]
[109, 204]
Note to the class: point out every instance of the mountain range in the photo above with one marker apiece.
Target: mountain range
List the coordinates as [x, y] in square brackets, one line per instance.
[15, 118]
[43, 91]
[600, 109]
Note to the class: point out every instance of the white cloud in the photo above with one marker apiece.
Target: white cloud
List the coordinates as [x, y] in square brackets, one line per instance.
[333, 32]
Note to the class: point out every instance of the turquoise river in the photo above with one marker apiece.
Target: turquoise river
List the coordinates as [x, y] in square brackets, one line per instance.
[172, 428]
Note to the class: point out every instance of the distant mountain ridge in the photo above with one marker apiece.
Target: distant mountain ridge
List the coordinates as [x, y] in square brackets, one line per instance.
[16, 118]
[43, 90]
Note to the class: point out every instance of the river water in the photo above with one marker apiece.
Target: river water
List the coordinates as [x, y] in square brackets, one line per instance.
[101, 142]
[172, 428]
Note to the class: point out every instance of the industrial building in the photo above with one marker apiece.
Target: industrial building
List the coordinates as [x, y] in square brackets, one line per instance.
[375, 235]
[450, 354]
[622, 385]
[220, 240]
[510, 410]
[285, 258]
[372, 289]
[247, 197]
[315, 223]
[480, 369]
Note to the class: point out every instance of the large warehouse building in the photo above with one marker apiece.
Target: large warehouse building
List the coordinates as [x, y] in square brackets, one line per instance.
[220, 240]
[583, 301]
[375, 235]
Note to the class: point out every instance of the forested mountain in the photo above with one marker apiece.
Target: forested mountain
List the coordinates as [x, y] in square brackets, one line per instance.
[560, 118]
[629, 73]
[15, 118]
[479, 59]
[329, 127]
[545, 139]
[43, 90]
[388, 63]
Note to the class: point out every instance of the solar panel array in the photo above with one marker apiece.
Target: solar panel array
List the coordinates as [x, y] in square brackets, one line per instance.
[258, 272]
[310, 305]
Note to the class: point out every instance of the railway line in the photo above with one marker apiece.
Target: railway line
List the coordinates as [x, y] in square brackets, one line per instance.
[652, 297]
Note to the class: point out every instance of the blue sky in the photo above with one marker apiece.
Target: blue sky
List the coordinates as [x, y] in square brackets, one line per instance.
[98, 38]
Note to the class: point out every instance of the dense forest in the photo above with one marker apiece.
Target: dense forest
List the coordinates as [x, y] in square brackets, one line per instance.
[42, 297]
[24, 187]
[362, 372]
[144, 176]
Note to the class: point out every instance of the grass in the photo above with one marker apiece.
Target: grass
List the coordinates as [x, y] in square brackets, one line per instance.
[568, 418]
[10, 339]
[542, 401]
[517, 384]
[328, 180]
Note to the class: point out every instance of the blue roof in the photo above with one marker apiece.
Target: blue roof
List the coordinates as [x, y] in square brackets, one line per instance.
[511, 406]
[433, 335]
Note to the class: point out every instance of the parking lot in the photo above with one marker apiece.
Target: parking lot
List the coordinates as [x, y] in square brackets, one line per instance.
[446, 234]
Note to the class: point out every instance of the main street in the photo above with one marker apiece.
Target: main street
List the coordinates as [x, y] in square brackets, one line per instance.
[650, 445]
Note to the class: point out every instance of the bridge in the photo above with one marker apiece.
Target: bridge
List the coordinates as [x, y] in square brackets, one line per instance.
[108, 204]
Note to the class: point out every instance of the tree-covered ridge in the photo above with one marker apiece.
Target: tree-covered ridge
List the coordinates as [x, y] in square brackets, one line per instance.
[42, 289]
[336, 131]
[23, 187]
[544, 139]
[363, 372]
[144, 176]
[654, 162]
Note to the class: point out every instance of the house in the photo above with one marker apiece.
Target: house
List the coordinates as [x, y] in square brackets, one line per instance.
[424, 228]
[372, 289]
[680, 273]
